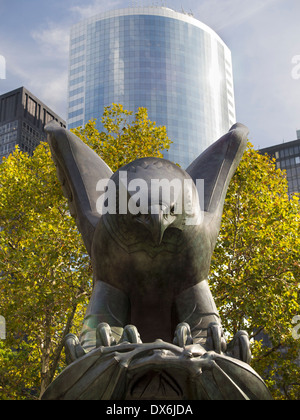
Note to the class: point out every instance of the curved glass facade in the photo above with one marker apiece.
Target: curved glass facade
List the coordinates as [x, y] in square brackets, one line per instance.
[168, 62]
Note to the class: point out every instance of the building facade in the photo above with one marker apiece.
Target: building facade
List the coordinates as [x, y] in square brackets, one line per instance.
[22, 121]
[153, 57]
[287, 157]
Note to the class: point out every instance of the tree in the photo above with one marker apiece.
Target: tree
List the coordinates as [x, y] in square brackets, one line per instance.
[124, 138]
[44, 269]
[255, 269]
[45, 277]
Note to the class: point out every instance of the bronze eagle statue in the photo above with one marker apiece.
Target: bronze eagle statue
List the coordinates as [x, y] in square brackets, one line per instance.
[151, 308]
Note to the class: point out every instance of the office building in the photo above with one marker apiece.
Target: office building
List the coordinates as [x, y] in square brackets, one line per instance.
[153, 57]
[287, 157]
[22, 121]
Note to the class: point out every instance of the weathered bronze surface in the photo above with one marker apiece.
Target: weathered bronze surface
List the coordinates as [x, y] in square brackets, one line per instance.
[152, 330]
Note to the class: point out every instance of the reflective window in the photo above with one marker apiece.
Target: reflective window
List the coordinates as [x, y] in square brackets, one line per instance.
[77, 70]
[180, 72]
[76, 102]
[76, 81]
[77, 123]
[76, 91]
[75, 113]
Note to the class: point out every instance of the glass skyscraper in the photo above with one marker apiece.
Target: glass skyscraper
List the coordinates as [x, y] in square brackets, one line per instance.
[153, 57]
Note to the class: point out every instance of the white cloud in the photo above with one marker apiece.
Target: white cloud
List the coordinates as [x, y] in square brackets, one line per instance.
[45, 79]
[262, 35]
[221, 14]
[95, 7]
[40, 64]
[53, 41]
[266, 93]
[47, 72]
[53, 92]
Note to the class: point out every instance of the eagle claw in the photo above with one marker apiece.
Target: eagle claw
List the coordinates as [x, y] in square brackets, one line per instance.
[215, 340]
[131, 335]
[73, 348]
[104, 337]
[183, 336]
[239, 347]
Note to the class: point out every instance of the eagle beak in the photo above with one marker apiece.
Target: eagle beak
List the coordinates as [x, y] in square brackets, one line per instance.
[157, 228]
[159, 222]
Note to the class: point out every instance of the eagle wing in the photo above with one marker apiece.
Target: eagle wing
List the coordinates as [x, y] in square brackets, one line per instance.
[79, 169]
[216, 166]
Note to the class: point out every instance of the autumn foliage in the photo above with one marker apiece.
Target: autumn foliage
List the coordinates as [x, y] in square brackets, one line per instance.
[45, 279]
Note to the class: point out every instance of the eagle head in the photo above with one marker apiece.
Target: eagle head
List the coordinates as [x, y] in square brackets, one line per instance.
[153, 194]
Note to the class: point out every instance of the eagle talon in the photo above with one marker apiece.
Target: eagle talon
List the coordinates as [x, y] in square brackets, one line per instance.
[239, 347]
[104, 336]
[73, 348]
[215, 340]
[131, 335]
[183, 336]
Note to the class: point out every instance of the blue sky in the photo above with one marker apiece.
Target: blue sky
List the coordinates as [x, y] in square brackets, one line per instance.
[263, 35]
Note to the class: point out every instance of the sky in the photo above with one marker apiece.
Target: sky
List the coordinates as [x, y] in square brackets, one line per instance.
[263, 36]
